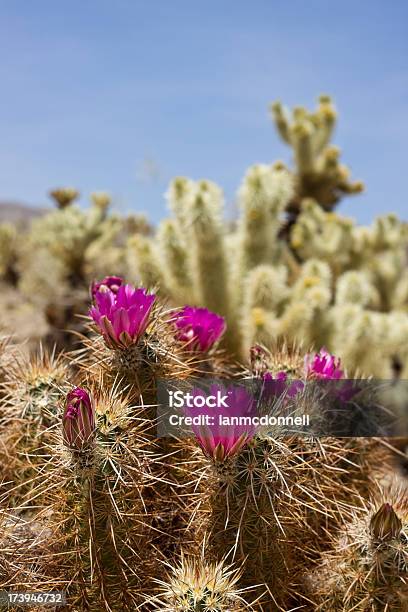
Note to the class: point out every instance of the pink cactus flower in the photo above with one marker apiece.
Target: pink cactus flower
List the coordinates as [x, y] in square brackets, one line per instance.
[122, 317]
[322, 365]
[198, 328]
[278, 385]
[78, 421]
[217, 440]
[109, 283]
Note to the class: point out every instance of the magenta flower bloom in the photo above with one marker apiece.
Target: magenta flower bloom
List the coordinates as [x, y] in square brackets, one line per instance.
[122, 317]
[220, 440]
[274, 386]
[198, 328]
[280, 385]
[323, 366]
[109, 283]
[78, 421]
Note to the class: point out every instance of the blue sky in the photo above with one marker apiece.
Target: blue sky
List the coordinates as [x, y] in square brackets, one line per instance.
[122, 96]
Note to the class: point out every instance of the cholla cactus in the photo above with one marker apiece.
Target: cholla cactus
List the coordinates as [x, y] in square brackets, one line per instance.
[208, 253]
[319, 174]
[346, 247]
[64, 196]
[322, 235]
[263, 197]
[268, 288]
[65, 250]
[288, 269]
[173, 250]
[101, 199]
[282, 281]
[281, 299]
[9, 252]
[143, 260]
[344, 296]
[355, 287]
[68, 235]
[137, 223]
[382, 335]
[193, 248]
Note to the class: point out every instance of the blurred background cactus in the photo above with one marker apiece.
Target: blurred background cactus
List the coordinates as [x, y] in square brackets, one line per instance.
[288, 268]
[319, 175]
[61, 253]
[8, 253]
[285, 268]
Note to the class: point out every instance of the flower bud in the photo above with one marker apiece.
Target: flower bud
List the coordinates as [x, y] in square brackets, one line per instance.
[78, 421]
[259, 360]
[385, 524]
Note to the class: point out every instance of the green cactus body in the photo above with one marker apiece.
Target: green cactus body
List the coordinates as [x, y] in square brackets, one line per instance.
[258, 509]
[100, 530]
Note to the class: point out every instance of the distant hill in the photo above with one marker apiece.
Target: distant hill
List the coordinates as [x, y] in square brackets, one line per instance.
[22, 214]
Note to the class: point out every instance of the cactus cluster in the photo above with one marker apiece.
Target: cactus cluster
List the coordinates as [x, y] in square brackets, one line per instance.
[272, 311]
[287, 269]
[51, 264]
[287, 277]
[93, 503]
